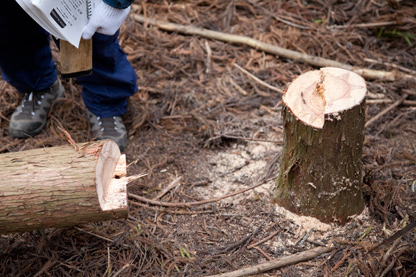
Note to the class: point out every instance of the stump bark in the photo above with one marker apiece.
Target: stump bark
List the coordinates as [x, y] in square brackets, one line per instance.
[62, 186]
[321, 168]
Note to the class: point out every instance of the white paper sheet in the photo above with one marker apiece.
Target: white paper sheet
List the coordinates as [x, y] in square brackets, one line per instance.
[64, 19]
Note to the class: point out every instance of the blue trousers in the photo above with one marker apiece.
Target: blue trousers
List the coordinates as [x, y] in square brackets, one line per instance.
[26, 63]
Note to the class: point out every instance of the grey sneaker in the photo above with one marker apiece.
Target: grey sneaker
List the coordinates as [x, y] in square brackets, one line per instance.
[109, 128]
[30, 116]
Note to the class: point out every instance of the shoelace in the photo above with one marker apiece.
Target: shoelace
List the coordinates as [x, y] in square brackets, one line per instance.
[31, 101]
[107, 123]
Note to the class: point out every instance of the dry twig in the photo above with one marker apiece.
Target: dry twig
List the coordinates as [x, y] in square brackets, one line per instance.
[173, 184]
[389, 101]
[69, 138]
[263, 240]
[386, 110]
[257, 79]
[189, 204]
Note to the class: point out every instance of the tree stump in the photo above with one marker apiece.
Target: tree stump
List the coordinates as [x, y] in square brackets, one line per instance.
[321, 169]
[62, 186]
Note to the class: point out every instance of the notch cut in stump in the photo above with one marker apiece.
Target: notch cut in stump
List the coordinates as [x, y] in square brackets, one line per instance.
[62, 186]
[321, 169]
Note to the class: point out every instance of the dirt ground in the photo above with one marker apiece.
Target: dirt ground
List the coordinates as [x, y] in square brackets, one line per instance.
[203, 126]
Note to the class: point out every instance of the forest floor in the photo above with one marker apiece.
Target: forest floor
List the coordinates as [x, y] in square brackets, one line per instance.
[208, 129]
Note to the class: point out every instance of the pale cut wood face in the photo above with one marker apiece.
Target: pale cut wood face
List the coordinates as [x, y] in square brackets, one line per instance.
[328, 91]
[110, 177]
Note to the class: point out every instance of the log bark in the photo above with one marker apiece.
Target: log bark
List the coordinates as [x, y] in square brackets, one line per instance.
[321, 169]
[62, 186]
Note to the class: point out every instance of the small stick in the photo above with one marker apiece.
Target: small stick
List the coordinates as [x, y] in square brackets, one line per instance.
[285, 261]
[389, 252]
[160, 210]
[95, 235]
[339, 263]
[244, 138]
[386, 110]
[69, 138]
[392, 65]
[365, 25]
[47, 265]
[98, 236]
[257, 79]
[389, 101]
[209, 55]
[387, 269]
[173, 184]
[121, 270]
[237, 87]
[305, 238]
[263, 240]
[134, 177]
[263, 253]
[108, 261]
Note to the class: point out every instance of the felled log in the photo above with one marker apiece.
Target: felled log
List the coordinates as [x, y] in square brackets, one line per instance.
[321, 169]
[62, 186]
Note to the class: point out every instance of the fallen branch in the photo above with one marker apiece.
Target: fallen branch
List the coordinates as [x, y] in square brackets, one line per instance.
[273, 49]
[285, 261]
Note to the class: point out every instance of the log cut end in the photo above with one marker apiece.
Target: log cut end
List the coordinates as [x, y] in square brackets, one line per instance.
[328, 91]
[110, 177]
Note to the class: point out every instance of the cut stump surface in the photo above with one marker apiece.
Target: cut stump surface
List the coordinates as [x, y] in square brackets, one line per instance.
[329, 91]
